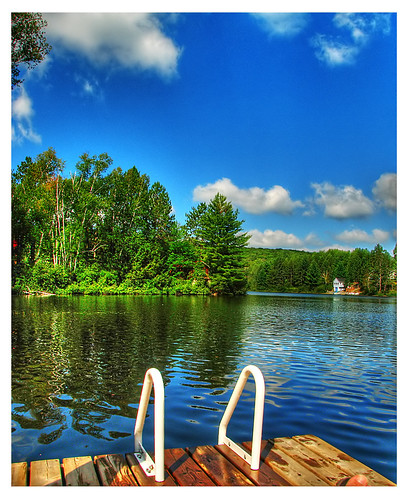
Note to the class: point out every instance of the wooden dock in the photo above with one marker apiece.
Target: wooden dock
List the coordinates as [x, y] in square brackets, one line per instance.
[298, 461]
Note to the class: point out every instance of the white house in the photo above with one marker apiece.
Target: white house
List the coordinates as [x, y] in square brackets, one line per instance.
[339, 285]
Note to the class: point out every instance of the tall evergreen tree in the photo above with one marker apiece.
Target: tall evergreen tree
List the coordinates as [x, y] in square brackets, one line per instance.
[313, 277]
[217, 232]
[358, 267]
[379, 268]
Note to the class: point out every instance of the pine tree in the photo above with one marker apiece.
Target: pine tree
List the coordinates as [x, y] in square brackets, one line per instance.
[217, 233]
[313, 277]
[379, 268]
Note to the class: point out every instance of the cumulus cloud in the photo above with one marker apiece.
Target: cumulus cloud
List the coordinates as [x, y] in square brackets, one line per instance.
[355, 31]
[127, 40]
[22, 113]
[385, 191]
[281, 239]
[361, 236]
[273, 239]
[282, 24]
[253, 200]
[342, 202]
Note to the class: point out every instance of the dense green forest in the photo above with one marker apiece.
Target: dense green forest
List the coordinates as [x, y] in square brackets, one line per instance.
[276, 270]
[104, 230]
[98, 232]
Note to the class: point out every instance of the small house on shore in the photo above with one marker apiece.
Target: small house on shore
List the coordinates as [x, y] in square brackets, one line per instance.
[339, 285]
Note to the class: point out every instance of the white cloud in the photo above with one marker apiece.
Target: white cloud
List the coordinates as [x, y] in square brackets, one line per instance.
[342, 202]
[385, 191]
[354, 23]
[361, 26]
[89, 87]
[334, 52]
[22, 106]
[359, 235]
[355, 32]
[280, 239]
[282, 24]
[253, 200]
[22, 113]
[312, 240]
[274, 239]
[127, 40]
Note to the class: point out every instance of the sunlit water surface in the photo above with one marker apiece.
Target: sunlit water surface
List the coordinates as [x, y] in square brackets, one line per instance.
[78, 365]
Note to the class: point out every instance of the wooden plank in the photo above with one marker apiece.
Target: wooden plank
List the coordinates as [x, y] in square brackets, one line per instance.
[218, 468]
[286, 467]
[265, 476]
[114, 471]
[19, 474]
[318, 465]
[80, 471]
[45, 473]
[345, 462]
[304, 460]
[142, 478]
[184, 470]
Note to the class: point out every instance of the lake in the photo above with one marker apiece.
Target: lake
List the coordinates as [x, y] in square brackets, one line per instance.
[78, 365]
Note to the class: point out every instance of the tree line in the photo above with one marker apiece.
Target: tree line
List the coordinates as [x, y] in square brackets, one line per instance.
[99, 232]
[276, 270]
[105, 230]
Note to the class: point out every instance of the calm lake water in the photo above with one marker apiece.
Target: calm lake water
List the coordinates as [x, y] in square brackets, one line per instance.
[78, 364]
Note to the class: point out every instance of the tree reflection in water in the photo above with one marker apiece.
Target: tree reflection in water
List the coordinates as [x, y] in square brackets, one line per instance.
[79, 361]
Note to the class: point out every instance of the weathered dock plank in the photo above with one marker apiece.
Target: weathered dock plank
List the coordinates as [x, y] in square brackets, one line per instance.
[45, 473]
[350, 466]
[265, 476]
[142, 478]
[217, 467]
[291, 461]
[114, 471]
[184, 469]
[80, 471]
[317, 464]
[19, 474]
[286, 467]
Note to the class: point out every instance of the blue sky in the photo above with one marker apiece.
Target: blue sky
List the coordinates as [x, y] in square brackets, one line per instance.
[291, 116]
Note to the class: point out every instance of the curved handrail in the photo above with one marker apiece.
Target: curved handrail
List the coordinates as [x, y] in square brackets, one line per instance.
[254, 458]
[151, 378]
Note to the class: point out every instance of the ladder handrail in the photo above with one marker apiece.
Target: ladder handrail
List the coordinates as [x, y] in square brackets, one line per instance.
[254, 458]
[151, 378]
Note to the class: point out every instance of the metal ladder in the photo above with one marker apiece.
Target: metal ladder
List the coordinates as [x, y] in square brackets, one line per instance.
[153, 378]
[252, 459]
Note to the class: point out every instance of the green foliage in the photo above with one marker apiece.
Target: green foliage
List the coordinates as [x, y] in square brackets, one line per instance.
[218, 238]
[96, 232]
[380, 269]
[42, 277]
[28, 42]
[278, 270]
[182, 257]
